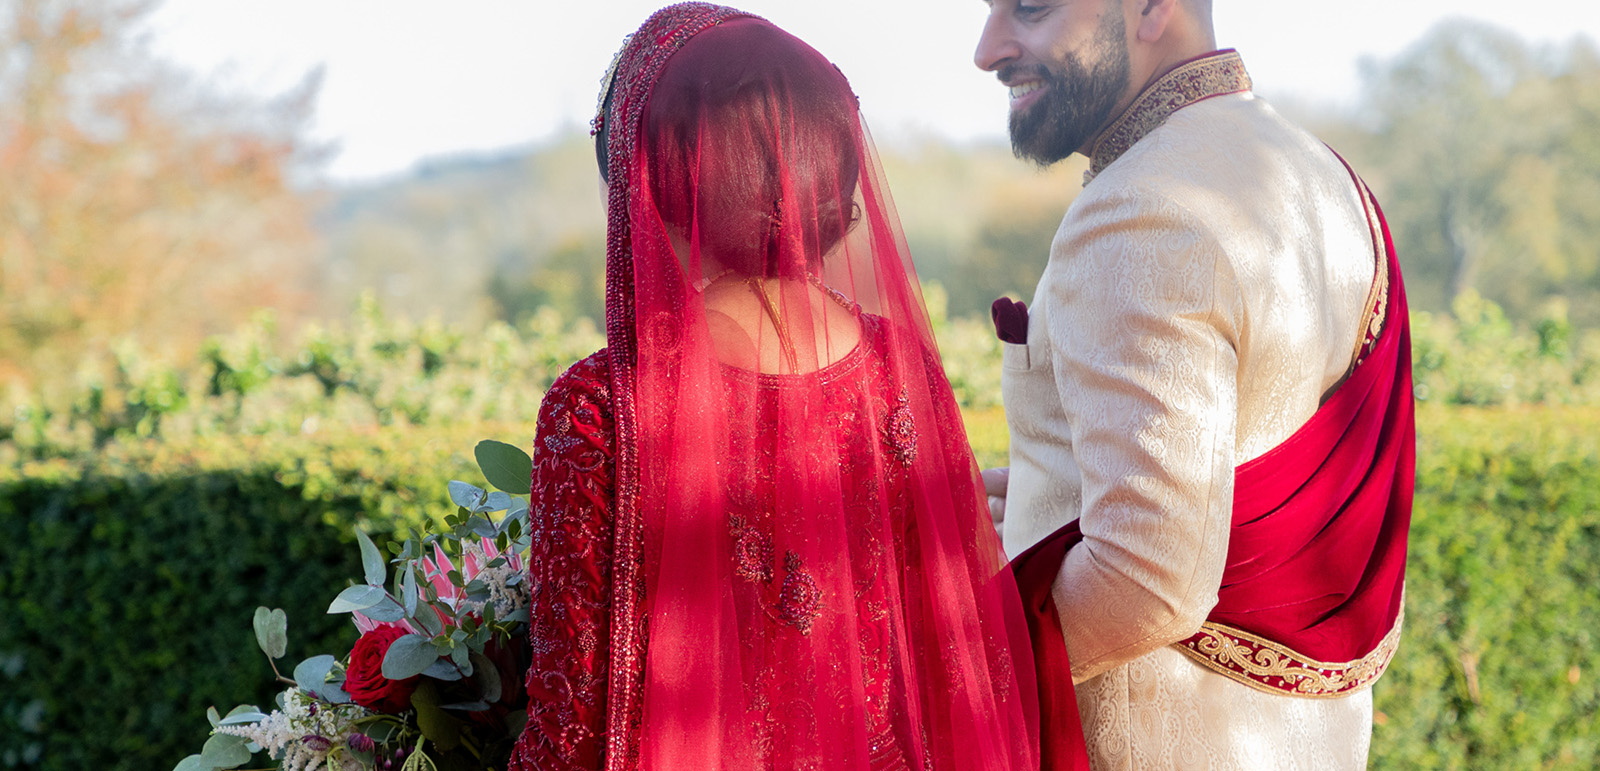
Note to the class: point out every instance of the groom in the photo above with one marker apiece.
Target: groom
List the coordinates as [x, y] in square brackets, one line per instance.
[1208, 398]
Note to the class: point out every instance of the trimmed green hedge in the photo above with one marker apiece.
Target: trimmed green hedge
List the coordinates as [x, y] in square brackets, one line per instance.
[1499, 665]
[129, 579]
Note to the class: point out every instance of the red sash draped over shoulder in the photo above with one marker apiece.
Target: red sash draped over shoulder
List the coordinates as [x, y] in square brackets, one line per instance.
[1311, 596]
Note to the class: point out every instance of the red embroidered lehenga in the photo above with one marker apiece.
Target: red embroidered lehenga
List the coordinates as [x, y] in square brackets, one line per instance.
[759, 537]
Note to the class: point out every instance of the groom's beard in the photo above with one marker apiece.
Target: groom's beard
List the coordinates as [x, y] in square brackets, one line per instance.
[1077, 100]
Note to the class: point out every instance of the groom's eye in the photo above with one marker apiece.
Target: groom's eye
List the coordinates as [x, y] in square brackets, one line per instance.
[1030, 11]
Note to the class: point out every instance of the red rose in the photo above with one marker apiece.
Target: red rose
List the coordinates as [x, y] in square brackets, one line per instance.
[364, 679]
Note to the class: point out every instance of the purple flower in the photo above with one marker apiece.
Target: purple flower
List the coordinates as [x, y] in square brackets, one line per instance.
[316, 743]
[362, 743]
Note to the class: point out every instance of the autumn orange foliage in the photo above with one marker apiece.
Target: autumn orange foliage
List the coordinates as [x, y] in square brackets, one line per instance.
[134, 202]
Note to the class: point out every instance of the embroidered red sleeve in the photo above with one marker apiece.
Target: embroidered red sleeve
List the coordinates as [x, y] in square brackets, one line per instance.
[569, 570]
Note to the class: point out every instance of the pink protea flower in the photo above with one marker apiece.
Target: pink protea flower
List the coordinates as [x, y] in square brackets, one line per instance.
[436, 569]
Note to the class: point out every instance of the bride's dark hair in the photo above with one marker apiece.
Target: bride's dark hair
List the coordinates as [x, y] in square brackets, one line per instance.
[763, 156]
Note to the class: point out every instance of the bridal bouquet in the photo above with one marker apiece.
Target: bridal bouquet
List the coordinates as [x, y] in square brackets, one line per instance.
[435, 681]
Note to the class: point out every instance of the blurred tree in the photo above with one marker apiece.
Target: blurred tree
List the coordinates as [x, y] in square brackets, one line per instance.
[571, 279]
[1484, 150]
[135, 201]
[978, 221]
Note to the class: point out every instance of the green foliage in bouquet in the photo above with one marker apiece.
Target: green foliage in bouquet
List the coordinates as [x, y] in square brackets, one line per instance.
[435, 680]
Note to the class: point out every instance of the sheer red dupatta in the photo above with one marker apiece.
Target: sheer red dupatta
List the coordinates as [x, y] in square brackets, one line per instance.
[803, 573]
[1311, 594]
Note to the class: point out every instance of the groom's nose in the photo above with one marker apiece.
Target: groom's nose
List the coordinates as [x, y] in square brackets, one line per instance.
[997, 46]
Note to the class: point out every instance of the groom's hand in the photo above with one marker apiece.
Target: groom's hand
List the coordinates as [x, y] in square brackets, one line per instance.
[995, 481]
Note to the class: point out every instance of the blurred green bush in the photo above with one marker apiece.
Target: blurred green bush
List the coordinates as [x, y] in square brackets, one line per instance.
[1499, 665]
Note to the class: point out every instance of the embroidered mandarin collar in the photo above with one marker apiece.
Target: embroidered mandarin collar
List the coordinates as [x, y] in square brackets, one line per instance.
[1196, 80]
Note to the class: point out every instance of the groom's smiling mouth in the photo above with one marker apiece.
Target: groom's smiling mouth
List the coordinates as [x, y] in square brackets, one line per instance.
[1025, 93]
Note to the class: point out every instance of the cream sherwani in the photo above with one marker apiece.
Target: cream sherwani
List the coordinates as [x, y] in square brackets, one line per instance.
[1203, 293]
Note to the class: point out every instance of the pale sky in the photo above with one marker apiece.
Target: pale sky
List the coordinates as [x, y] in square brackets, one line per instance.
[411, 79]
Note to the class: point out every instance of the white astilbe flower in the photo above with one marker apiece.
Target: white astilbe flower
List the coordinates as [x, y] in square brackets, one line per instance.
[508, 591]
[303, 734]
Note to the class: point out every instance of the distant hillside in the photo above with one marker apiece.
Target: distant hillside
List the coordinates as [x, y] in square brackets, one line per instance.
[463, 238]
[496, 236]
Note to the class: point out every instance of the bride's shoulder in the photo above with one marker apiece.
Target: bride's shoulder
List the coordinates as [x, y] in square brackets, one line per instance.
[589, 380]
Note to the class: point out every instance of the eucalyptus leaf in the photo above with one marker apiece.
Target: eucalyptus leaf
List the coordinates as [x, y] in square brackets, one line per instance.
[486, 676]
[381, 732]
[467, 706]
[459, 657]
[443, 669]
[428, 618]
[225, 751]
[243, 718]
[385, 612]
[408, 657]
[371, 560]
[481, 526]
[272, 631]
[194, 763]
[357, 598]
[505, 466]
[214, 716]
[440, 728]
[312, 674]
[466, 496]
[497, 501]
[518, 616]
[408, 591]
[334, 692]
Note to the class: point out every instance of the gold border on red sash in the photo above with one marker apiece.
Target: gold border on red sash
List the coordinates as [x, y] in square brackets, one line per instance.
[1275, 668]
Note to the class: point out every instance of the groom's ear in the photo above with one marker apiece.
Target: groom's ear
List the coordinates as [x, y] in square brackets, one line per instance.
[1154, 17]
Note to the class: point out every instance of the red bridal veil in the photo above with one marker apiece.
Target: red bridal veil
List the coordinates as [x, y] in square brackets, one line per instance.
[804, 572]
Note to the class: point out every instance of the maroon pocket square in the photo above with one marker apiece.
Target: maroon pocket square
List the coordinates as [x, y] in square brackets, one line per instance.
[1010, 320]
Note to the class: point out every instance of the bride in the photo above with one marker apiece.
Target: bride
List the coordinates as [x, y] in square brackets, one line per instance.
[759, 537]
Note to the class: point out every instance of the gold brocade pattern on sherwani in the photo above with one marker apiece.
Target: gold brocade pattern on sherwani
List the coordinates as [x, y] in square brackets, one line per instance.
[1267, 666]
[1212, 75]
[1200, 299]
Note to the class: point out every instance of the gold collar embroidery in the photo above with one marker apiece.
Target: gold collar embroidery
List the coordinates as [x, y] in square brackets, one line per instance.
[1199, 79]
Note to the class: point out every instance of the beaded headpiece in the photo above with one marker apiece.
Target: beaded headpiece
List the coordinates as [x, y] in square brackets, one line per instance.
[606, 80]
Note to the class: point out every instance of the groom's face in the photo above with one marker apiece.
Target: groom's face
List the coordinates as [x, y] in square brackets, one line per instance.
[1066, 63]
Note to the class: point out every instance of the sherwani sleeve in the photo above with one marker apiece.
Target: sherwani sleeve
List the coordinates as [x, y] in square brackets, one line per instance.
[1143, 312]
